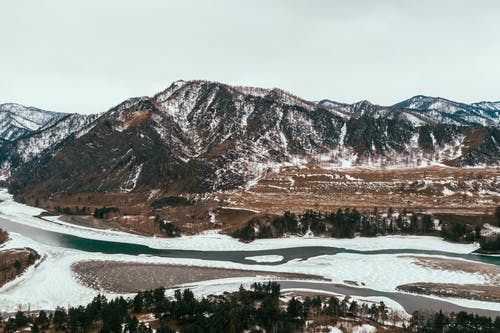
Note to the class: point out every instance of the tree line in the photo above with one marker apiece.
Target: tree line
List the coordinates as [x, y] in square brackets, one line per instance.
[257, 309]
[461, 322]
[351, 222]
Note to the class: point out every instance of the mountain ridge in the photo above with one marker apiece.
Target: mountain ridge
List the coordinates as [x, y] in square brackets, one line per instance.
[201, 136]
[454, 112]
[17, 120]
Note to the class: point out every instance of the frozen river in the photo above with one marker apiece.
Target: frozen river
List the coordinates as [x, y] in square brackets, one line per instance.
[379, 264]
[304, 252]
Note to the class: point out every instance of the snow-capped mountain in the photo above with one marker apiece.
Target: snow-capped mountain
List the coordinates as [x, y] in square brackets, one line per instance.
[52, 136]
[493, 106]
[17, 120]
[367, 109]
[199, 136]
[446, 111]
[424, 110]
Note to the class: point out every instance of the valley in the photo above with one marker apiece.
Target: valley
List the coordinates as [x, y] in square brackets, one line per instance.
[467, 191]
[250, 166]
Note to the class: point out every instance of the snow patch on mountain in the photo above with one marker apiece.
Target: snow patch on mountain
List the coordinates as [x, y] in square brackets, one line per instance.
[17, 120]
[224, 137]
[446, 111]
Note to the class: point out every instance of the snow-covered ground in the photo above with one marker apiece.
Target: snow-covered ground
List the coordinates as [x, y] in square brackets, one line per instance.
[268, 258]
[214, 241]
[365, 328]
[490, 230]
[51, 283]
[382, 272]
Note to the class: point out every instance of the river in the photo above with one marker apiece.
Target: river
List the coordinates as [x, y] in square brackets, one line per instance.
[110, 247]
[409, 302]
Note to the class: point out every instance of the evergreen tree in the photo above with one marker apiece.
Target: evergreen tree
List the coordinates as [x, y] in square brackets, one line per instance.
[59, 318]
[383, 312]
[428, 225]
[20, 319]
[354, 308]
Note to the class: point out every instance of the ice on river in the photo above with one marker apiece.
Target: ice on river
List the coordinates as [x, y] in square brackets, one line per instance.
[51, 283]
[214, 241]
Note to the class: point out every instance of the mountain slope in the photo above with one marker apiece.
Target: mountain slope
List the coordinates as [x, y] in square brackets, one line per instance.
[446, 111]
[18, 120]
[494, 106]
[48, 139]
[200, 136]
[367, 109]
[424, 110]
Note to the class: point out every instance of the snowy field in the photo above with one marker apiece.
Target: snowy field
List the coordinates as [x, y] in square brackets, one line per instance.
[51, 282]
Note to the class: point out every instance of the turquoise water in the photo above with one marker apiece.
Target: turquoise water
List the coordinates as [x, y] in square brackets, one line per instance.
[110, 247]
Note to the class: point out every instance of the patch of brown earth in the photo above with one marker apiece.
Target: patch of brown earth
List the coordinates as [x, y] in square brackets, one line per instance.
[3, 236]
[135, 224]
[416, 189]
[491, 272]
[137, 117]
[473, 198]
[129, 277]
[467, 291]
[489, 293]
[14, 262]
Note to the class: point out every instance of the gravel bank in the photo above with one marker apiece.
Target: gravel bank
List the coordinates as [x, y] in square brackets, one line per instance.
[128, 277]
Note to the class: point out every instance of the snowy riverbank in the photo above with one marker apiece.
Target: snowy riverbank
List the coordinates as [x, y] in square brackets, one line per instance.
[40, 287]
[51, 282]
[214, 241]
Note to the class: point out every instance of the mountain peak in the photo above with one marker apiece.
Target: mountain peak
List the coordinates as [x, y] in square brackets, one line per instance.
[364, 103]
[487, 105]
[332, 104]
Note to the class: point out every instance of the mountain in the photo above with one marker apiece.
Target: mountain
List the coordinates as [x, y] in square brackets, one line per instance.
[424, 110]
[48, 139]
[200, 136]
[17, 120]
[493, 106]
[367, 109]
[446, 111]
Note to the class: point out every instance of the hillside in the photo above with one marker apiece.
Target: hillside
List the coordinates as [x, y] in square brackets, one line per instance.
[18, 120]
[14, 262]
[200, 136]
[446, 111]
[16, 153]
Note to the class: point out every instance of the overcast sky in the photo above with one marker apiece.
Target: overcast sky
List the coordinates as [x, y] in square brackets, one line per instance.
[86, 56]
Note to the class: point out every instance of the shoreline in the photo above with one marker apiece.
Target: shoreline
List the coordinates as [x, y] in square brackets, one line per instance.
[338, 268]
[213, 240]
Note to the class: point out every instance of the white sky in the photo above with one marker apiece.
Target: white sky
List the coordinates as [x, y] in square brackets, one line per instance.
[86, 56]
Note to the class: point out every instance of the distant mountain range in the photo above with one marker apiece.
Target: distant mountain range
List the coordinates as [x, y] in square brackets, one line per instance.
[423, 110]
[18, 120]
[200, 136]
